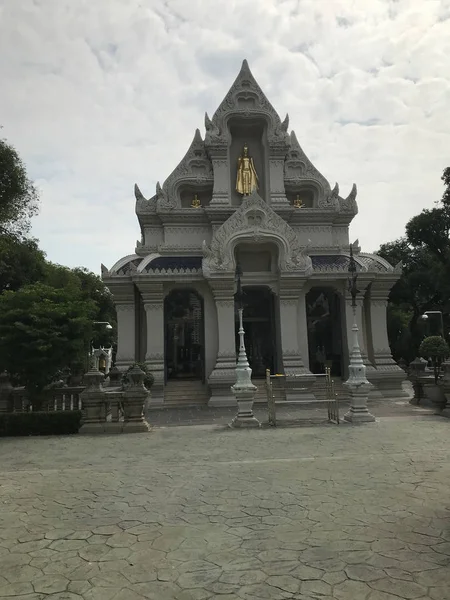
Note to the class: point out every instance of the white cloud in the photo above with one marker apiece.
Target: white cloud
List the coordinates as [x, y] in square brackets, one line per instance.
[99, 95]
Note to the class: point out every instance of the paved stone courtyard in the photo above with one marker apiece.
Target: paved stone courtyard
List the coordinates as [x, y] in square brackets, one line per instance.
[193, 513]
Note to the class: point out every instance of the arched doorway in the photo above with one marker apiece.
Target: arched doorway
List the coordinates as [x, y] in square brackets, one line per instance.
[324, 315]
[184, 335]
[260, 331]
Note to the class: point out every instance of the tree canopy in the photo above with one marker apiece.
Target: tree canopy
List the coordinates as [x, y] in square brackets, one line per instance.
[19, 199]
[425, 283]
[47, 311]
[42, 330]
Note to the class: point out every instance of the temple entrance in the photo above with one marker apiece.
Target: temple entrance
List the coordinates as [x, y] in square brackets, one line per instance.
[260, 330]
[323, 310]
[184, 335]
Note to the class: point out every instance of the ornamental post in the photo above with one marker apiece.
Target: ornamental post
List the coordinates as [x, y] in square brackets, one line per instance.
[357, 384]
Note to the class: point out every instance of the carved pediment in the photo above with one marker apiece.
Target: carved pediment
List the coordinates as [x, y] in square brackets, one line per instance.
[254, 221]
[298, 168]
[246, 99]
[195, 168]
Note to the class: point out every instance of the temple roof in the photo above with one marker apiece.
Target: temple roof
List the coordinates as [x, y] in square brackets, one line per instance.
[321, 263]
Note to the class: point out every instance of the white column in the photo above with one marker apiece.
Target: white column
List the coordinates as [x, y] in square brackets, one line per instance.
[223, 374]
[292, 356]
[303, 341]
[221, 190]
[390, 375]
[277, 189]
[126, 334]
[153, 298]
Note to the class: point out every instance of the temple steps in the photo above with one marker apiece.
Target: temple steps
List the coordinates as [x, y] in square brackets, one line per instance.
[186, 393]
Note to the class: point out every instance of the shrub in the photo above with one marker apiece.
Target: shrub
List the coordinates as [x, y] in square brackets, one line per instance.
[436, 348]
[40, 423]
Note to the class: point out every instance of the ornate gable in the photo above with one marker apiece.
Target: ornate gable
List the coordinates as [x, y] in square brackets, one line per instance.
[254, 221]
[246, 99]
[195, 167]
[298, 167]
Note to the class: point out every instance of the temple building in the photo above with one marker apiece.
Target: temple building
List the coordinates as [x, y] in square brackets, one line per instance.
[247, 194]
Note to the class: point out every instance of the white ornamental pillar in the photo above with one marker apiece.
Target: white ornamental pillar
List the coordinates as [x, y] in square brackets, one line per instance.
[357, 384]
[153, 298]
[277, 188]
[356, 315]
[243, 389]
[390, 375]
[126, 333]
[221, 190]
[223, 374]
[292, 357]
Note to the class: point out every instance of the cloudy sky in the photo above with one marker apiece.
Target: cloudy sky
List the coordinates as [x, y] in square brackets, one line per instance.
[99, 94]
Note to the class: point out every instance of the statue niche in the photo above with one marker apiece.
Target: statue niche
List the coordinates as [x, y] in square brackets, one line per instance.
[248, 156]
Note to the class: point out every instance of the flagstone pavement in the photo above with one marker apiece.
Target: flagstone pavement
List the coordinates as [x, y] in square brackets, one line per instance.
[195, 513]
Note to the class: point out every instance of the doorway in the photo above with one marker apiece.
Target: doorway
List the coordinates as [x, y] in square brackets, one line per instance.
[184, 335]
[324, 310]
[260, 331]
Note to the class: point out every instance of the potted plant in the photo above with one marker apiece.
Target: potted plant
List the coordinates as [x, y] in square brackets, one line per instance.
[436, 349]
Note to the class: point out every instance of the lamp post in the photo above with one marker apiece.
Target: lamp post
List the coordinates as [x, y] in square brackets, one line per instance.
[243, 389]
[357, 384]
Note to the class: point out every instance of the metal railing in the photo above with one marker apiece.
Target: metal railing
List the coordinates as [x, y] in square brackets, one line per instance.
[323, 392]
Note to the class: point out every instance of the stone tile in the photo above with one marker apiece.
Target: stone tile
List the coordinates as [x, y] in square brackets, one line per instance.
[198, 578]
[364, 573]
[398, 587]
[16, 589]
[50, 584]
[286, 583]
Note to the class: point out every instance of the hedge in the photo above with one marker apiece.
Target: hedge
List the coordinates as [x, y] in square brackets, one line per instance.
[40, 423]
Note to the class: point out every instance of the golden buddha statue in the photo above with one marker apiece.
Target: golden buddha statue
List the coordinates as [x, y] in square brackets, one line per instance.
[195, 202]
[298, 202]
[247, 179]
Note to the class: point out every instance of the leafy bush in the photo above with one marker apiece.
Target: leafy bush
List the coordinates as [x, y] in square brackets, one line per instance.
[149, 379]
[40, 423]
[436, 348]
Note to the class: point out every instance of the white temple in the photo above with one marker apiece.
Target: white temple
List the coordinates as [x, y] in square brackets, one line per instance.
[248, 193]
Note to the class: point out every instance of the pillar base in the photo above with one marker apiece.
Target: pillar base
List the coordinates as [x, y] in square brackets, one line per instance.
[136, 427]
[356, 417]
[244, 422]
[220, 382]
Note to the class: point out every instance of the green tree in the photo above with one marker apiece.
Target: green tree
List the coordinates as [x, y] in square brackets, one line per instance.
[42, 330]
[425, 282]
[21, 262]
[19, 199]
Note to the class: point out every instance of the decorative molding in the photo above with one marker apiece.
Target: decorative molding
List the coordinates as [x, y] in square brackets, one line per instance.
[120, 308]
[154, 305]
[172, 272]
[330, 200]
[379, 302]
[144, 205]
[349, 205]
[224, 303]
[254, 220]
